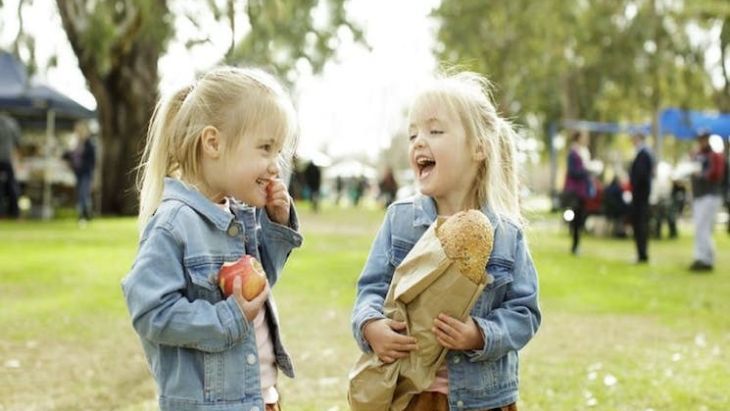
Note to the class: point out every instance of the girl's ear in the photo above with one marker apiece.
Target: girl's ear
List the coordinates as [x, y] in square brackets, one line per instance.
[210, 142]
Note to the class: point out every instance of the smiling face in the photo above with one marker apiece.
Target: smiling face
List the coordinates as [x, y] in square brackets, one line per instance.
[250, 168]
[443, 162]
[245, 167]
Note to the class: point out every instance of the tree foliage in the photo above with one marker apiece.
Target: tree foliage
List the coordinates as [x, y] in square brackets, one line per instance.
[610, 60]
[118, 44]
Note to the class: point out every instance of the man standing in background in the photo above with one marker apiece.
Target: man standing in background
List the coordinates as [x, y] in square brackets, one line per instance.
[642, 170]
[9, 143]
[83, 161]
[707, 199]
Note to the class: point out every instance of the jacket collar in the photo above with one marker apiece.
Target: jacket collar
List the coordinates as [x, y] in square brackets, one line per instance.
[177, 190]
[425, 213]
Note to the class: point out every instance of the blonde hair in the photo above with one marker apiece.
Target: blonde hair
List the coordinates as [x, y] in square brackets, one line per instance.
[237, 101]
[468, 96]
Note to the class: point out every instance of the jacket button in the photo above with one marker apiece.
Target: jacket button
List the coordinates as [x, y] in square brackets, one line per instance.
[233, 230]
[457, 360]
[460, 404]
[251, 359]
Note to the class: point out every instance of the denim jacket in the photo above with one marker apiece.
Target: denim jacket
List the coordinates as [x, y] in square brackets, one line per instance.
[200, 348]
[507, 311]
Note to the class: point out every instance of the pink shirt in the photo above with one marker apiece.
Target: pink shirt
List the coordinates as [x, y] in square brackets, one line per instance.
[267, 361]
[441, 382]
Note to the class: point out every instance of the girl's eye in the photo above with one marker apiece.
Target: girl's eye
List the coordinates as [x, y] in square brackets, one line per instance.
[437, 132]
[411, 137]
[266, 147]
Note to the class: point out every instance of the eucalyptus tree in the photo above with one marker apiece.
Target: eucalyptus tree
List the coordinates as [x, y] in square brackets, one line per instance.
[619, 60]
[118, 44]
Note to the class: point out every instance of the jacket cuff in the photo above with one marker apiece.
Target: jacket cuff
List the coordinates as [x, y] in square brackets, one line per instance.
[359, 321]
[234, 320]
[490, 332]
[276, 231]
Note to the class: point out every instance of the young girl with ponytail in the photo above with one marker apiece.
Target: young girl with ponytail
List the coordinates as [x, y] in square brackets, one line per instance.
[210, 192]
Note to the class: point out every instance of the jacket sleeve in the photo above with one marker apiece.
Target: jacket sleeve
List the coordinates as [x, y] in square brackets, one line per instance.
[510, 326]
[163, 315]
[372, 287]
[276, 242]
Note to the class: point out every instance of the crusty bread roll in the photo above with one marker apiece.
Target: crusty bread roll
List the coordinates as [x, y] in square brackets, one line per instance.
[467, 238]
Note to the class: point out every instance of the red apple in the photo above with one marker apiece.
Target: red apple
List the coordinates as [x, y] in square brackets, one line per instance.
[253, 277]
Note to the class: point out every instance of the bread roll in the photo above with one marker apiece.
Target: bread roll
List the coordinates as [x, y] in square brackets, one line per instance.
[467, 238]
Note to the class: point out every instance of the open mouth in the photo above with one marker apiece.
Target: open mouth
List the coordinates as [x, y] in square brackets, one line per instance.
[424, 165]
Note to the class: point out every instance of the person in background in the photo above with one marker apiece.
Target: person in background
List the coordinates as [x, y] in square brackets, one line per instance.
[640, 175]
[83, 162]
[578, 187]
[388, 187]
[9, 144]
[616, 206]
[313, 179]
[707, 200]
[339, 189]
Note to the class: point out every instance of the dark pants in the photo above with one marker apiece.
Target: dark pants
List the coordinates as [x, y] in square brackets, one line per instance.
[83, 196]
[640, 222]
[578, 205]
[9, 192]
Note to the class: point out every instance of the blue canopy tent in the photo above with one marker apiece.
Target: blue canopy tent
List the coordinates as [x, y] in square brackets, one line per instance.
[686, 124]
[37, 106]
[30, 103]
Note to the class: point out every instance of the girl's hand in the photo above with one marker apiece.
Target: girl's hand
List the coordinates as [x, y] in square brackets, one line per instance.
[278, 202]
[456, 335]
[384, 336]
[249, 309]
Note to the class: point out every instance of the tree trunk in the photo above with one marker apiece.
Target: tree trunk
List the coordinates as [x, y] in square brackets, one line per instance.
[130, 95]
[125, 94]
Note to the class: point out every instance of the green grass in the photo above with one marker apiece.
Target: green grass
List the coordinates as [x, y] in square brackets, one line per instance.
[615, 336]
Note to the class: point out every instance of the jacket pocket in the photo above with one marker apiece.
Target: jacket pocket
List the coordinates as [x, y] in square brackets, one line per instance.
[399, 249]
[202, 274]
[501, 271]
[502, 274]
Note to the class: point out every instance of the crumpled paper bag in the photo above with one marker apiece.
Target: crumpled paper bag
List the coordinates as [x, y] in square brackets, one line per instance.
[425, 284]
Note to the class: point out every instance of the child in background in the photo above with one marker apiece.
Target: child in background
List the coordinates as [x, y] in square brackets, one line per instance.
[462, 154]
[210, 192]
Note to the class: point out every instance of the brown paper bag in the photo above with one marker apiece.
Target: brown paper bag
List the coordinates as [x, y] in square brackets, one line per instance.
[425, 284]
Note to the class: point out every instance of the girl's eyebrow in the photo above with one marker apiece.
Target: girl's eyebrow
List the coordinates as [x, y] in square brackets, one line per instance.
[430, 121]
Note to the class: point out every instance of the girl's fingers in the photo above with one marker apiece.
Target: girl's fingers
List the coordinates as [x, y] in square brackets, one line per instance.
[279, 203]
[451, 321]
[237, 286]
[403, 339]
[445, 327]
[405, 346]
[445, 339]
[445, 342]
[397, 325]
[386, 359]
[396, 354]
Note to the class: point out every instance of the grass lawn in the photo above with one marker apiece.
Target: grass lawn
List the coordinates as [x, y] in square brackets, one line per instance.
[615, 336]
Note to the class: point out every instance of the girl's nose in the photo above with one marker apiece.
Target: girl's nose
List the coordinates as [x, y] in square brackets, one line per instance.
[273, 167]
[418, 141]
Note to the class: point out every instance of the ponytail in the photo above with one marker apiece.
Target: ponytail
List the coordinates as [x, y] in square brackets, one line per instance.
[158, 161]
[508, 200]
